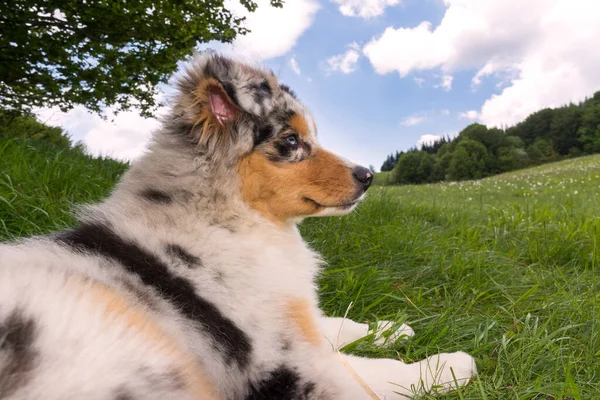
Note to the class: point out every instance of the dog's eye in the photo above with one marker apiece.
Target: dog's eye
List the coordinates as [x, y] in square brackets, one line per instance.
[292, 140]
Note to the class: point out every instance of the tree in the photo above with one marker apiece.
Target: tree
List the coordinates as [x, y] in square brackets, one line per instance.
[537, 125]
[406, 169]
[390, 161]
[563, 129]
[541, 151]
[510, 159]
[461, 165]
[99, 53]
[468, 160]
[589, 132]
[440, 170]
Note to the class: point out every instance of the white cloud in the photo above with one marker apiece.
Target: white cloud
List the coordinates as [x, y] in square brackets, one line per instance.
[471, 115]
[486, 70]
[427, 139]
[364, 8]
[539, 49]
[445, 83]
[124, 136]
[419, 81]
[413, 120]
[274, 31]
[294, 65]
[346, 62]
[445, 112]
[403, 50]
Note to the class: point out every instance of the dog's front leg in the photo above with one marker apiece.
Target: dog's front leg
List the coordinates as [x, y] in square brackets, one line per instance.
[342, 331]
[393, 379]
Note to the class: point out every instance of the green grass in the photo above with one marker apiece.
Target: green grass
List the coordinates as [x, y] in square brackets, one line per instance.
[505, 268]
[381, 178]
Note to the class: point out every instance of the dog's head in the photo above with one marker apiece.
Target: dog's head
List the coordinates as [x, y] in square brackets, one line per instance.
[241, 118]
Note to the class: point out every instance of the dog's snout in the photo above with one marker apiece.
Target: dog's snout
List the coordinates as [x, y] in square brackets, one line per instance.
[364, 176]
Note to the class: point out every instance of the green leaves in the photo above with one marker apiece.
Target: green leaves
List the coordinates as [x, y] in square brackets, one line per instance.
[103, 53]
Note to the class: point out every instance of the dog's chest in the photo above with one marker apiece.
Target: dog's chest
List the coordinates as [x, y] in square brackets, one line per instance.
[252, 267]
[260, 288]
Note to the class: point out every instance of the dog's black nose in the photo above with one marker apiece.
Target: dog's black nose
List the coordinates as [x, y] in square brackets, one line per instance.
[364, 176]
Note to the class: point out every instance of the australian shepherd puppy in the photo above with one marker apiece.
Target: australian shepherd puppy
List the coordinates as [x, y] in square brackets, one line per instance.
[191, 280]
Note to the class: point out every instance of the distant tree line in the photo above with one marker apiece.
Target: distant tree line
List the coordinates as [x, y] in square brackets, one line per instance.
[478, 151]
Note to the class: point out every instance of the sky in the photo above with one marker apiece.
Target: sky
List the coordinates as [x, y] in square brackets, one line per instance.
[387, 75]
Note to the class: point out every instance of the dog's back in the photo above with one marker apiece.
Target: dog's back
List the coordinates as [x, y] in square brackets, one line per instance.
[72, 329]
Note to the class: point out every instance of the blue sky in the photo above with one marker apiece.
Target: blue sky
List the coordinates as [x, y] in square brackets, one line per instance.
[385, 75]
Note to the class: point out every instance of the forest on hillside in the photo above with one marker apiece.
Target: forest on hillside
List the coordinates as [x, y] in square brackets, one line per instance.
[478, 151]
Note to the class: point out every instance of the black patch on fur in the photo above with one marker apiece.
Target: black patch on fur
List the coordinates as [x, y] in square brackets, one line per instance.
[261, 92]
[285, 117]
[283, 149]
[123, 394]
[230, 90]
[307, 148]
[178, 252]
[307, 389]
[264, 87]
[263, 134]
[287, 89]
[156, 196]
[286, 345]
[98, 239]
[282, 384]
[17, 335]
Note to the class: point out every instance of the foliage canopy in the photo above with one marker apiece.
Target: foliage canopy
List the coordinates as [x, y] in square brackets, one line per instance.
[100, 53]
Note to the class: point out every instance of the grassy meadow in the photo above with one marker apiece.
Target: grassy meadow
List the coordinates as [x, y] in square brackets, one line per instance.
[505, 268]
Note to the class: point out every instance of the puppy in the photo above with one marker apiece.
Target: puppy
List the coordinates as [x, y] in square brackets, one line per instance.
[191, 281]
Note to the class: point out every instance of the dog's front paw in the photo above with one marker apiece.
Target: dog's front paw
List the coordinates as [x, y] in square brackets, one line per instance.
[388, 332]
[444, 372]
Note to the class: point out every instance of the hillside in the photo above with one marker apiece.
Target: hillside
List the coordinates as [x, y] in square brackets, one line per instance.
[40, 182]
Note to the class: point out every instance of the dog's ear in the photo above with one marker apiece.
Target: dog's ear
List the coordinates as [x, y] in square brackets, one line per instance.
[212, 113]
[221, 105]
[216, 94]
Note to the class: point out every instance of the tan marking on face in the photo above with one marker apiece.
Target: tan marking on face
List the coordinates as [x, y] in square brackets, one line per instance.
[279, 191]
[116, 307]
[298, 123]
[300, 314]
